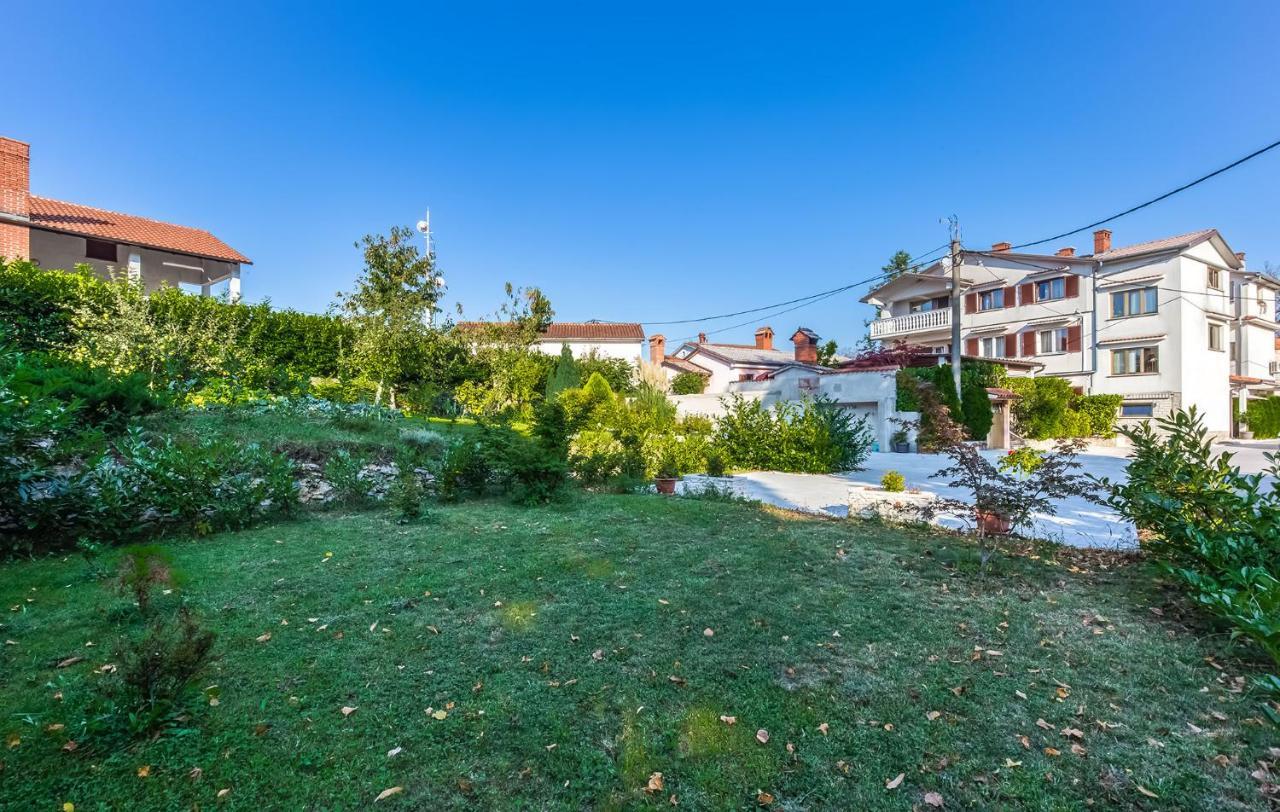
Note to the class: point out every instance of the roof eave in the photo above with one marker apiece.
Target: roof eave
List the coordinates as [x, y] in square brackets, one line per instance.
[242, 260]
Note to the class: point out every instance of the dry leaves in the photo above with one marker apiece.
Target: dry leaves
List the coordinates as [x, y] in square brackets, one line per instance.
[1146, 791]
[655, 783]
[931, 715]
[262, 638]
[895, 782]
[347, 710]
[933, 799]
[764, 798]
[824, 727]
[387, 793]
[762, 736]
[729, 720]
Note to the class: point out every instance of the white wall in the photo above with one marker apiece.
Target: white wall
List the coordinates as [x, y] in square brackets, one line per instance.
[625, 350]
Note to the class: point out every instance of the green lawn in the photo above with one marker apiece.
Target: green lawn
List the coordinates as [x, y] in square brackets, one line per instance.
[894, 643]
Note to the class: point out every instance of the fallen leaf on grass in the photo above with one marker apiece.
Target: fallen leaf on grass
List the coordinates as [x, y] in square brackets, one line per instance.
[70, 746]
[222, 793]
[824, 727]
[1072, 733]
[394, 751]
[1052, 751]
[387, 793]
[1042, 724]
[347, 710]
[655, 783]
[144, 771]
[933, 799]
[1010, 763]
[895, 782]
[70, 661]
[262, 638]
[1146, 791]
[440, 715]
[764, 799]
[1078, 750]
[729, 720]
[762, 736]
[931, 715]
[708, 633]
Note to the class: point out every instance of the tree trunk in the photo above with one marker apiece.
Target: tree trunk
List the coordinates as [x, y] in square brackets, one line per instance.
[377, 396]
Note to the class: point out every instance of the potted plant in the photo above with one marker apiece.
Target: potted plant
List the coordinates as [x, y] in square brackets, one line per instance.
[667, 473]
[901, 445]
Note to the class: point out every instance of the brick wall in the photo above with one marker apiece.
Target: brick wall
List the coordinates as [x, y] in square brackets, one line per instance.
[15, 194]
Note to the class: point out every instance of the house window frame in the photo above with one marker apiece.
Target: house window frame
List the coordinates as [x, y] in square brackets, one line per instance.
[1148, 297]
[1213, 278]
[1215, 334]
[90, 244]
[1144, 365]
[991, 346]
[1057, 282]
[1149, 407]
[1055, 346]
[987, 300]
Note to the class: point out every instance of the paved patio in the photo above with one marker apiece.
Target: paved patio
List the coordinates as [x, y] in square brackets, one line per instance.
[1079, 522]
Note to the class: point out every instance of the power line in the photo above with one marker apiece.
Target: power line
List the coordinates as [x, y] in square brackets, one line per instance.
[1155, 200]
[918, 263]
[687, 339]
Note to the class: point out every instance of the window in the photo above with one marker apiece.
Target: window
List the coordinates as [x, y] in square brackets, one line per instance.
[1051, 289]
[1137, 302]
[991, 347]
[1262, 303]
[1052, 341]
[1137, 410]
[1215, 337]
[1214, 279]
[927, 305]
[1235, 354]
[1135, 361]
[991, 299]
[100, 249]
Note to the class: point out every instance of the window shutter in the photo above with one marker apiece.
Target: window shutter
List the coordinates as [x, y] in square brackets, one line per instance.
[1011, 346]
[971, 303]
[971, 345]
[1029, 343]
[1010, 296]
[1028, 293]
[1073, 286]
[1073, 338]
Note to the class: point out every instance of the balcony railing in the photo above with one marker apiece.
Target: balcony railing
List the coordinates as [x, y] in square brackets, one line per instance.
[911, 323]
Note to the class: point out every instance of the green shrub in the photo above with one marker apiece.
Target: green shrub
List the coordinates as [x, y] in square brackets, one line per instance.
[813, 436]
[597, 456]
[1100, 411]
[893, 482]
[1210, 526]
[142, 568]
[1041, 405]
[523, 468]
[716, 464]
[342, 471]
[976, 410]
[688, 383]
[408, 493]
[105, 401]
[1021, 461]
[425, 442]
[1262, 415]
[465, 470]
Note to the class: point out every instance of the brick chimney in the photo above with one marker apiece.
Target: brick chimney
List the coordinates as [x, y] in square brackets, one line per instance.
[806, 342]
[657, 348]
[1000, 247]
[764, 338]
[1065, 252]
[15, 198]
[702, 338]
[1102, 241]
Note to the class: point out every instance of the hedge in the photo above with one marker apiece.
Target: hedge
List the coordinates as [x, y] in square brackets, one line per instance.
[37, 305]
[1263, 417]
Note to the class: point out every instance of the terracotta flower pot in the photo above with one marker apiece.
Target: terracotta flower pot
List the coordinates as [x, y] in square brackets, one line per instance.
[666, 485]
[993, 524]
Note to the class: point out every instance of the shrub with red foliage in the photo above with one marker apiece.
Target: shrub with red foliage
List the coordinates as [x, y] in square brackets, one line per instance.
[899, 354]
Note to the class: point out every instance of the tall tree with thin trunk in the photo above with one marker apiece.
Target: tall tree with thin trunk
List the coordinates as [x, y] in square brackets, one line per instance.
[391, 307]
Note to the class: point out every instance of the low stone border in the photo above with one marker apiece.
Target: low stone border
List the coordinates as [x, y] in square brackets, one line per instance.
[892, 507]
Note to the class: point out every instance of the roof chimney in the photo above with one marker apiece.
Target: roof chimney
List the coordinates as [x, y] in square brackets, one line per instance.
[15, 198]
[1065, 252]
[1102, 241]
[657, 348]
[806, 342]
[1240, 256]
[1000, 247]
[702, 338]
[764, 338]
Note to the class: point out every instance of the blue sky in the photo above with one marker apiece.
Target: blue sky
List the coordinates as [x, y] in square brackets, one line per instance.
[660, 162]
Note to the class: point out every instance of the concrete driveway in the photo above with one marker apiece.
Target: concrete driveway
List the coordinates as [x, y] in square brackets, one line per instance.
[1078, 522]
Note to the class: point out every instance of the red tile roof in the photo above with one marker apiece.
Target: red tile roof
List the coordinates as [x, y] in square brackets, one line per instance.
[579, 330]
[72, 218]
[1163, 244]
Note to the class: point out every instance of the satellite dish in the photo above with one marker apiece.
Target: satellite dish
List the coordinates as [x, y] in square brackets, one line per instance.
[424, 226]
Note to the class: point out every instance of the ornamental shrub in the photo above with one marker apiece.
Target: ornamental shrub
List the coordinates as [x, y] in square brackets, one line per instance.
[813, 436]
[976, 411]
[1211, 527]
[688, 383]
[1262, 415]
[893, 482]
[1100, 412]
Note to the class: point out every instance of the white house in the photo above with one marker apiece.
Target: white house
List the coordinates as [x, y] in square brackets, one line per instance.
[1168, 323]
[725, 364]
[622, 340]
[58, 234]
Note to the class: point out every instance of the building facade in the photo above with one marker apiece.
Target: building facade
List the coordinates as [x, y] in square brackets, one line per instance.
[620, 340]
[56, 234]
[1167, 324]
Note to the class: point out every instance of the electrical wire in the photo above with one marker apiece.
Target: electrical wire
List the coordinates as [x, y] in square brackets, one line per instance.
[1155, 200]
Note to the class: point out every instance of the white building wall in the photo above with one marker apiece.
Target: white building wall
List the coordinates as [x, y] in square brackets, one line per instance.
[625, 350]
[57, 251]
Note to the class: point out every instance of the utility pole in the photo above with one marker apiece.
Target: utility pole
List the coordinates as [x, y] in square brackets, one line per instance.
[956, 308]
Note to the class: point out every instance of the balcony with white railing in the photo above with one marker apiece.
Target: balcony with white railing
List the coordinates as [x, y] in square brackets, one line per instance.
[922, 322]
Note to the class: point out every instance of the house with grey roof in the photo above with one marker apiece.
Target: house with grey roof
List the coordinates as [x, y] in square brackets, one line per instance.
[726, 364]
